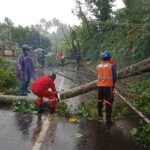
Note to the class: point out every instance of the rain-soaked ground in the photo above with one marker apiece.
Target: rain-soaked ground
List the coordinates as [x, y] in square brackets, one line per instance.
[22, 131]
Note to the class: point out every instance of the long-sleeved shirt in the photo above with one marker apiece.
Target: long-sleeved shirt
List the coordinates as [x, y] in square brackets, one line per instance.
[44, 82]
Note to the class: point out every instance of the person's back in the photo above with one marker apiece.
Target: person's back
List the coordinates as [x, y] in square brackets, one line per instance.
[41, 57]
[78, 59]
[43, 82]
[41, 87]
[105, 77]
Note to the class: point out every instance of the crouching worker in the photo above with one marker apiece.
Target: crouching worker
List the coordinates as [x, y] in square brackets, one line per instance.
[106, 79]
[45, 87]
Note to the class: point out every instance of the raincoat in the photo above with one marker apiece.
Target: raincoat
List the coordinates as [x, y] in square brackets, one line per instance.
[24, 68]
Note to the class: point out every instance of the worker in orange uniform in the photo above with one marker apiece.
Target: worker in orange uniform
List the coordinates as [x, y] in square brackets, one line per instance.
[113, 62]
[106, 79]
[45, 87]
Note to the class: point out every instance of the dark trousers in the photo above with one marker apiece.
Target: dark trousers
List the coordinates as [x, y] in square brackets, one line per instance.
[24, 85]
[78, 65]
[105, 95]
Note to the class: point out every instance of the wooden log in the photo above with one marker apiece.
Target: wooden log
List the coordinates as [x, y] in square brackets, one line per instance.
[138, 68]
[9, 99]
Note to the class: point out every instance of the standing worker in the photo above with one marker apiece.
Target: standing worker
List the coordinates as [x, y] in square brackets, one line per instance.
[40, 60]
[106, 79]
[113, 62]
[78, 59]
[41, 57]
[62, 59]
[45, 87]
[25, 69]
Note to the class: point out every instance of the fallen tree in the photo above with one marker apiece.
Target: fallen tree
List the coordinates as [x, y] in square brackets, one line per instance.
[136, 69]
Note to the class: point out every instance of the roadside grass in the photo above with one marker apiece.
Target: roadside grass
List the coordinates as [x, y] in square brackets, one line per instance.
[142, 135]
[142, 103]
[8, 82]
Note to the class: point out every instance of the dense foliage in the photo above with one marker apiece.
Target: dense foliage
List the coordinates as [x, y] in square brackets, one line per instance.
[125, 32]
[13, 37]
[7, 75]
[141, 101]
[142, 135]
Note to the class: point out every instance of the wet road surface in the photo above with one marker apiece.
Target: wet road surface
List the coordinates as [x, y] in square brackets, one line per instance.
[96, 136]
[20, 131]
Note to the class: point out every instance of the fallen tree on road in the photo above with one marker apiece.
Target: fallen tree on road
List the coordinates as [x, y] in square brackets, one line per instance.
[138, 68]
[135, 69]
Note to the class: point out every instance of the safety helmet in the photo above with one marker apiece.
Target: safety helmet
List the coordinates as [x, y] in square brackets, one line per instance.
[106, 55]
[25, 47]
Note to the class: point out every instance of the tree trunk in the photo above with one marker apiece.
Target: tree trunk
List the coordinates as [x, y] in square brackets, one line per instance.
[138, 68]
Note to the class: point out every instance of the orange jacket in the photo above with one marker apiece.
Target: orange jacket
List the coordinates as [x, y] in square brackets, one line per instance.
[105, 74]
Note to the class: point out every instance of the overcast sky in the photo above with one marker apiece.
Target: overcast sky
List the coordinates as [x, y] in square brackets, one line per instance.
[27, 12]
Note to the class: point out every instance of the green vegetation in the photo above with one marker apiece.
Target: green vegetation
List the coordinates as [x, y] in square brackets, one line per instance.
[126, 34]
[142, 100]
[8, 82]
[62, 109]
[51, 61]
[120, 109]
[31, 107]
[20, 35]
[142, 135]
[87, 110]
[24, 106]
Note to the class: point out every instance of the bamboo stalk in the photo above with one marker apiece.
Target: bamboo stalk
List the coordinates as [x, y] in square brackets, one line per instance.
[132, 107]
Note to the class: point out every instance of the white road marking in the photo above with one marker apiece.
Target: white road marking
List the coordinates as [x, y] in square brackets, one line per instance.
[40, 139]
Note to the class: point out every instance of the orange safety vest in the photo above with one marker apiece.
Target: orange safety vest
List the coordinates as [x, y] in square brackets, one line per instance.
[105, 77]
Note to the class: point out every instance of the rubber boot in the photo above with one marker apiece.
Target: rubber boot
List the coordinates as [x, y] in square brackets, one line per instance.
[51, 110]
[108, 114]
[40, 109]
[100, 106]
